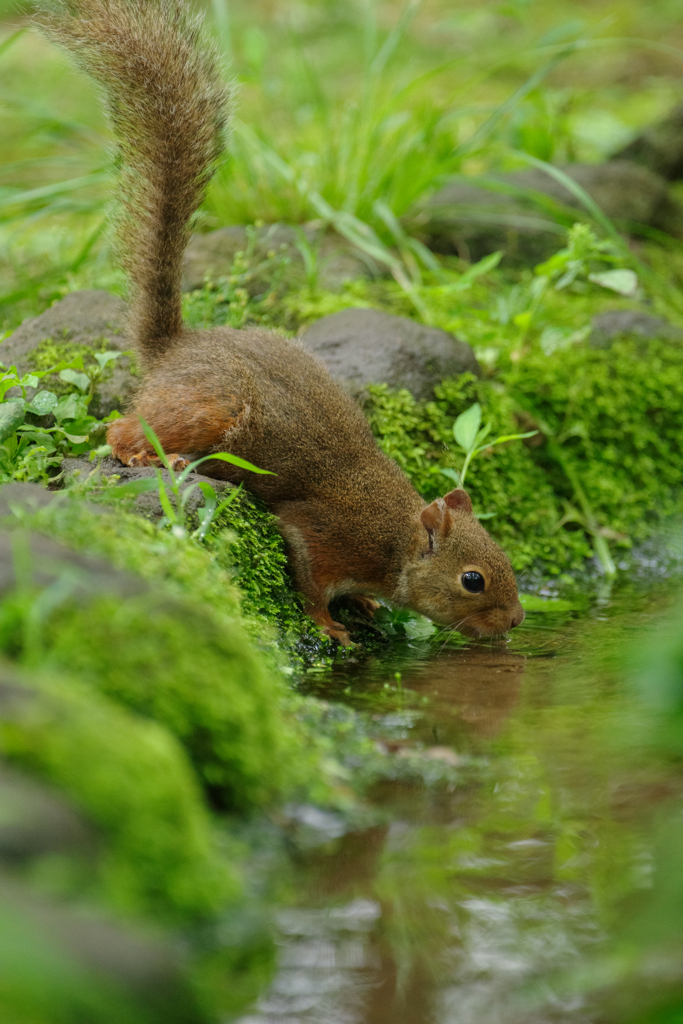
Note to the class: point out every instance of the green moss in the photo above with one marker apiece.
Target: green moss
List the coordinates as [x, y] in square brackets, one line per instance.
[133, 780]
[198, 675]
[50, 352]
[617, 415]
[247, 542]
[178, 654]
[242, 568]
[507, 483]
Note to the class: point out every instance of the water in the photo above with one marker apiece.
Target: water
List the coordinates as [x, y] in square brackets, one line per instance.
[472, 901]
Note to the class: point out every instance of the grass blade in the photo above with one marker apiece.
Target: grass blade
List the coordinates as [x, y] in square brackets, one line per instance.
[6, 43]
[485, 130]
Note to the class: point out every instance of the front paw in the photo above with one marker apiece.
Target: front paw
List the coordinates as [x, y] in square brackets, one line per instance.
[337, 631]
[365, 606]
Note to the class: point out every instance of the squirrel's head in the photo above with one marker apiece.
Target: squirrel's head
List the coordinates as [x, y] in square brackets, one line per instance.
[457, 575]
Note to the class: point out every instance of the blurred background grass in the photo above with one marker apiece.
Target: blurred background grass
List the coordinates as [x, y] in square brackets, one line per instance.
[340, 109]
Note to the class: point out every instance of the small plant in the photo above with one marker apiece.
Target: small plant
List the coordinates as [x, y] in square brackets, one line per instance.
[174, 498]
[471, 438]
[29, 449]
[583, 257]
[246, 293]
[585, 260]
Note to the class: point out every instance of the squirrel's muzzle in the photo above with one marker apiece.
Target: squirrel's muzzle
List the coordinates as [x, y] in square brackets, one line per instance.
[492, 622]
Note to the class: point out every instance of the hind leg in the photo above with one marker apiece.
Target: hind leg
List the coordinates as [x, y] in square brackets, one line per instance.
[130, 446]
[184, 422]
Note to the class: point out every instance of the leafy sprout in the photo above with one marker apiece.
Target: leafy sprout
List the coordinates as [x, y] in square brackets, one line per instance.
[472, 439]
[29, 449]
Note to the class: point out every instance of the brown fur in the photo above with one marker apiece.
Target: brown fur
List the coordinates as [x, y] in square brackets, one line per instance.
[353, 523]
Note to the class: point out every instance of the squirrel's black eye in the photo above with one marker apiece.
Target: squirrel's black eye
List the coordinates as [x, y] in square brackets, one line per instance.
[473, 581]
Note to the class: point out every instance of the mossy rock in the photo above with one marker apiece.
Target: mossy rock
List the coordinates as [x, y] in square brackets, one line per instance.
[615, 415]
[59, 966]
[170, 657]
[131, 778]
[78, 325]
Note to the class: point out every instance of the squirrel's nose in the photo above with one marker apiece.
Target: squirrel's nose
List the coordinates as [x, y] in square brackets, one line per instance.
[517, 618]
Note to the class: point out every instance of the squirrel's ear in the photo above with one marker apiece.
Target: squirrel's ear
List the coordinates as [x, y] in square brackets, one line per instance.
[434, 518]
[459, 501]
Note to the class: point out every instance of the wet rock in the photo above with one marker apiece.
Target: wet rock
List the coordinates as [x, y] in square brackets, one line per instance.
[366, 346]
[213, 255]
[94, 319]
[616, 323]
[659, 147]
[473, 221]
[146, 504]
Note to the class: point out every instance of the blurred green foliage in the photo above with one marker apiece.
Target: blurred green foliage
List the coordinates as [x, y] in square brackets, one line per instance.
[180, 660]
[133, 780]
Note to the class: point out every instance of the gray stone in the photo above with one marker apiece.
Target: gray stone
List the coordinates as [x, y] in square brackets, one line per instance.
[659, 147]
[92, 318]
[365, 346]
[615, 323]
[32, 559]
[473, 221]
[213, 255]
[146, 504]
[35, 820]
[25, 497]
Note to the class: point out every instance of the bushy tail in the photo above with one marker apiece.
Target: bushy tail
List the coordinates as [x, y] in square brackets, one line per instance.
[167, 106]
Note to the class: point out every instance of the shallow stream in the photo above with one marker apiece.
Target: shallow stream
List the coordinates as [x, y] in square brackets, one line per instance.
[471, 901]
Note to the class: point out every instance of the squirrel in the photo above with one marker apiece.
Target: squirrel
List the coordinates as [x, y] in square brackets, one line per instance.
[353, 524]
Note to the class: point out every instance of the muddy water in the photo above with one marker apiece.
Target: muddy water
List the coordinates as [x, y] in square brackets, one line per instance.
[471, 900]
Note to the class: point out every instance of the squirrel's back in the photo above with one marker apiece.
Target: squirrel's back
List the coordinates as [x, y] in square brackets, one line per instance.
[166, 102]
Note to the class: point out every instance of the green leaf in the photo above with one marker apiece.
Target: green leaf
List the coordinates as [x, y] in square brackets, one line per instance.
[232, 494]
[75, 438]
[452, 474]
[81, 380]
[484, 265]
[466, 427]
[234, 460]
[156, 445]
[622, 281]
[166, 501]
[11, 417]
[106, 357]
[419, 628]
[141, 486]
[7, 381]
[508, 437]
[69, 407]
[187, 494]
[42, 403]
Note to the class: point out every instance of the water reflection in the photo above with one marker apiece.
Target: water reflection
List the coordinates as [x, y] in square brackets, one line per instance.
[477, 688]
[460, 908]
